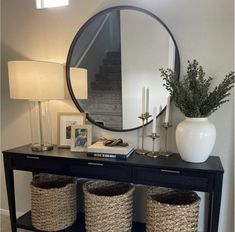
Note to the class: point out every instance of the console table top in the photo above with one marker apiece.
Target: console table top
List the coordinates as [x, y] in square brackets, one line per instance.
[213, 164]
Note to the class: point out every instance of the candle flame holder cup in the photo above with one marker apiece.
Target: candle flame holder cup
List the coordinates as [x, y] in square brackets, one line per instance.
[147, 116]
[165, 152]
[153, 153]
[144, 117]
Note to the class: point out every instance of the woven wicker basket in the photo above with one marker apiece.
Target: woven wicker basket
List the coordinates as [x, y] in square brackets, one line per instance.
[171, 210]
[54, 202]
[108, 206]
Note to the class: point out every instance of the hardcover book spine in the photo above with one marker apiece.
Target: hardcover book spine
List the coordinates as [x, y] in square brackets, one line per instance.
[104, 155]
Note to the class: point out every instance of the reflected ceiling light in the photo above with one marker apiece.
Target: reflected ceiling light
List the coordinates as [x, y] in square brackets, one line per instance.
[51, 3]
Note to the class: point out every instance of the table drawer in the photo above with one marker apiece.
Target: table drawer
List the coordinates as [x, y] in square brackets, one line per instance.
[100, 170]
[37, 164]
[174, 178]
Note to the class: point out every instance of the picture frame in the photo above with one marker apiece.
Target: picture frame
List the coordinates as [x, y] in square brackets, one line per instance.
[65, 122]
[81, 138]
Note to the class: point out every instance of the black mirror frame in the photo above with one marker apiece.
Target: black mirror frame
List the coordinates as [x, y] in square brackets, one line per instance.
[122, 7]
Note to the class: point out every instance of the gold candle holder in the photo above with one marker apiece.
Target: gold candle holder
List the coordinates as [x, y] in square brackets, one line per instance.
[153, 153]
[144, 117]
[165, 152]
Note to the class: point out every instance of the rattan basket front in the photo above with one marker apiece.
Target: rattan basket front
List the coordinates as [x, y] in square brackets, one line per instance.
[108, 206]
[171, 210]
[54, 202]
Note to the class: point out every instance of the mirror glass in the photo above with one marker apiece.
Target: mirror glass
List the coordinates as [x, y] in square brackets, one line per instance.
[120, 51]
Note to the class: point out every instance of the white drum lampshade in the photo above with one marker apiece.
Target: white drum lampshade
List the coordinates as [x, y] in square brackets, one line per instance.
[37, 82]
[78, 78]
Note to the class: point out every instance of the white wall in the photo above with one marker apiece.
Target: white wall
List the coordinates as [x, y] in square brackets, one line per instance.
[1, 166]
[202, 29]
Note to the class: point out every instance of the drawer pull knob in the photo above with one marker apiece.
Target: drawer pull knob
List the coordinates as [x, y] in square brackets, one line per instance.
[32, 157]
[170, 171]
[95, 164]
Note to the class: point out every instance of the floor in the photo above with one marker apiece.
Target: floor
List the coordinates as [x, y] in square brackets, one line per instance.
[5, 225]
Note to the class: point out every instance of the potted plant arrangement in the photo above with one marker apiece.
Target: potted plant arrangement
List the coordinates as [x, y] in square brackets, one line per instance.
[195, 136]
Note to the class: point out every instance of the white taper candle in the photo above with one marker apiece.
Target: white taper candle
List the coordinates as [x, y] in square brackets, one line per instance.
[167, 109]
[154, 119]
[147, 100]
[143, 100]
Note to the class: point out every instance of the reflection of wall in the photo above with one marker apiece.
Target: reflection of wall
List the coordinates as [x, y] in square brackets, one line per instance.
[85, 39]
[145, 49]
[205, 34]
[104, 102]
[90, 49]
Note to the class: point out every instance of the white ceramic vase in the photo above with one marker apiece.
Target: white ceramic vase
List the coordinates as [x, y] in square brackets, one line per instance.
[195, 139]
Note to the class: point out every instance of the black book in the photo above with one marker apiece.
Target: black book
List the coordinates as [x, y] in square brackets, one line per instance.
[108, 155]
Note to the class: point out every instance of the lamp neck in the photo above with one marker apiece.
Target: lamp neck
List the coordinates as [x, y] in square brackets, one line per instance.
[40, 122]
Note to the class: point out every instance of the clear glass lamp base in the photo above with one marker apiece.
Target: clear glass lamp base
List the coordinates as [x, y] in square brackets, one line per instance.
[41, 132]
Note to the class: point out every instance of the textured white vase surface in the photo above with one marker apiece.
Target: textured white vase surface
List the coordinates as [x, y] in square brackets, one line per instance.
[195, 139]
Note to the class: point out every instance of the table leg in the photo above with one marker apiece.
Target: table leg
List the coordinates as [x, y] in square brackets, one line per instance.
[9, 176]
[214, 204]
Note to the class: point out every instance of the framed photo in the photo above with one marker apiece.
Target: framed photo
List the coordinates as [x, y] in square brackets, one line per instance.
[65, 123]
[81, 138]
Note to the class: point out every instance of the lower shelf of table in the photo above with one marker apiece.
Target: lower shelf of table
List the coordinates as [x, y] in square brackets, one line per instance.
[25, 222]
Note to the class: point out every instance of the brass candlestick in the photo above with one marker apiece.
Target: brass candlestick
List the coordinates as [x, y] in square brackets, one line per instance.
[144, 117]
[153, 153]
[165, 152]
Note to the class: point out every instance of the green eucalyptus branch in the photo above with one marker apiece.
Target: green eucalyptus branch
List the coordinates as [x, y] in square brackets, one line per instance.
[192, 94]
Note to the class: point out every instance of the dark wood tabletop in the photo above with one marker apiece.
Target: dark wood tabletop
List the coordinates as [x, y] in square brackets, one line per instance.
[213, 164]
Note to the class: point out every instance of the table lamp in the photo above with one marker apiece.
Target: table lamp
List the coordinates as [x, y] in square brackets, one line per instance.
[78, 78]
[37, 82]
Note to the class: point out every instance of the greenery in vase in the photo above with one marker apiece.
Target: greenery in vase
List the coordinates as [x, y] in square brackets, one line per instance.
[192, 94]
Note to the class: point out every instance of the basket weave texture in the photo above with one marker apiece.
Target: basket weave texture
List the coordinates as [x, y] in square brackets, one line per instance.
[54, 202]
[108, 206]
[171, 210]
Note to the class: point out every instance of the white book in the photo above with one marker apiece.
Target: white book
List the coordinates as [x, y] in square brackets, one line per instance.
[99, 147]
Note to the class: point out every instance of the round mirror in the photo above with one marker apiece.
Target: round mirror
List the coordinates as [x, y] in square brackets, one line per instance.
[114, 55]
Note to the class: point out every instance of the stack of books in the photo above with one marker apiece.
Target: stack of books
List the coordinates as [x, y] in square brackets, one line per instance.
[98, 149]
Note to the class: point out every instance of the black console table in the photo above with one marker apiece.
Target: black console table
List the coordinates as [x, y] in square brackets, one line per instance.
[166, 172]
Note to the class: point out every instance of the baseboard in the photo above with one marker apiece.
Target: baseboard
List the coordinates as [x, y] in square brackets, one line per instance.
[6, 212]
